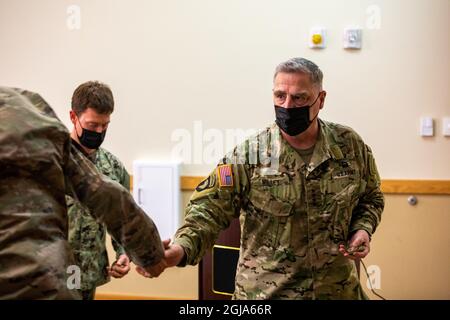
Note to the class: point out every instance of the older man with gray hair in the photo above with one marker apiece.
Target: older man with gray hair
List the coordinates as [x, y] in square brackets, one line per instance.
[305, 214]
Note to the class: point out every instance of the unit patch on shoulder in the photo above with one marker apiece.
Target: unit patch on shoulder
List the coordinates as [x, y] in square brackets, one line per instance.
[208, 183]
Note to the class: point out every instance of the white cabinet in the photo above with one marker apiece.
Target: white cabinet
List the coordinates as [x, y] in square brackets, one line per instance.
[156, 188]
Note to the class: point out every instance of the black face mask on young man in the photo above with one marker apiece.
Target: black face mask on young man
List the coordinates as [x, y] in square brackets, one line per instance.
[91, 139]
[295, 120]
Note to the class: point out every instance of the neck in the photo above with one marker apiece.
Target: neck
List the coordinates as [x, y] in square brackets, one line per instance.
[74, 136]
[305, 139]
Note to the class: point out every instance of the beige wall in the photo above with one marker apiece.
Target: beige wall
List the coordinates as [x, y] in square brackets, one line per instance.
[171, 63]
[411, 248]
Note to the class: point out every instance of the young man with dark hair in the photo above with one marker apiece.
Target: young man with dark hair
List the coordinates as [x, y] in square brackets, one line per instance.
[39, 165]
[92, 106]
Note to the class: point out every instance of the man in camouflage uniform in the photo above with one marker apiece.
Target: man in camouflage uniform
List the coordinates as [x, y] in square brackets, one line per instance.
[39, 166]
[92, 106]
[307, 193]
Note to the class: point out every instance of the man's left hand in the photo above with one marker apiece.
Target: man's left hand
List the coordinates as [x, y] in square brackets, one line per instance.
[359, 239]
[120, 267]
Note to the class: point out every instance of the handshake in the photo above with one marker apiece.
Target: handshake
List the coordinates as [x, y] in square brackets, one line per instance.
[173, 254]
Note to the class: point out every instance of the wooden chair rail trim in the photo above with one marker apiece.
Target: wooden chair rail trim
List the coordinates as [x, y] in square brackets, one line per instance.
[388, 186]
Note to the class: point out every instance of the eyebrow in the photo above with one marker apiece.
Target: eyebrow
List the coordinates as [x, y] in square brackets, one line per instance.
[297, 93]
[94, 122]
[301, 94]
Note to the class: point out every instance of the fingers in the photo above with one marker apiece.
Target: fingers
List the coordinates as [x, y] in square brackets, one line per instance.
[119, 272]
[173, 255]
[362, 254]
[354, 252]
[360, 237]
[142, 272]
[152, 271]
[358, 246]
[116, 274]
[123, 260]
[121, 267]
[166, 243]
[157, 269]
[355, 242]
[345, 253]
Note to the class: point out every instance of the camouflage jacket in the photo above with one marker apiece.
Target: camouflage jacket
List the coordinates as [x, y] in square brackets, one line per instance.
[293, 216]
[38, 165]
[86, 236]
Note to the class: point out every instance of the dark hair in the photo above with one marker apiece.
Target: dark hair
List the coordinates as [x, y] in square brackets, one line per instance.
[95, 95]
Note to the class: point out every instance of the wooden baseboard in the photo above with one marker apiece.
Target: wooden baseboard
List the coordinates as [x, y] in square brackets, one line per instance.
[121, 296]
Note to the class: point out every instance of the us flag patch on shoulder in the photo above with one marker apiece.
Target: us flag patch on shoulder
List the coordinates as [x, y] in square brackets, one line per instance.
[225, 175]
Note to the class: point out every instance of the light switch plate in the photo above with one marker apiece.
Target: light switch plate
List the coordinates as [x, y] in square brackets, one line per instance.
[352, 38]
[426, 127]
[446, 126]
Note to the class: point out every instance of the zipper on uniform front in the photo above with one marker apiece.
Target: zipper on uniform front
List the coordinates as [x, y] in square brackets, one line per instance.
[308, 231]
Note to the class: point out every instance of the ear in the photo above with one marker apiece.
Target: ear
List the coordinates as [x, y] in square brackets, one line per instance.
[73, 117]
[322, 99]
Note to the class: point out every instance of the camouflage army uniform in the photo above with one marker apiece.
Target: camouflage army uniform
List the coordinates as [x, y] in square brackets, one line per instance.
[86, 236]
[293, 217]
[39, 165]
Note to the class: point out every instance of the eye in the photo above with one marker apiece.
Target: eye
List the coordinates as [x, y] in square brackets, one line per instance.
[300, 100]
[280, 95]
[91, 126]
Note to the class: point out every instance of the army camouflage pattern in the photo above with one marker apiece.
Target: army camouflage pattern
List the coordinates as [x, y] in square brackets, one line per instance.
[39, 165]
[293, 218]
[86, 236]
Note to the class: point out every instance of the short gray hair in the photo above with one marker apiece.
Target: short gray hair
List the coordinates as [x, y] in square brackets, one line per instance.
[301, 65]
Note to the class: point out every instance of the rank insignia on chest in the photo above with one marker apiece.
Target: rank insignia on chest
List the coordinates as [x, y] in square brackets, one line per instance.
[344, 173]
[225, 175]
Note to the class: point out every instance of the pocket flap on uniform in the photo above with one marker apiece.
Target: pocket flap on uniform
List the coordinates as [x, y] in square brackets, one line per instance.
[265, 201]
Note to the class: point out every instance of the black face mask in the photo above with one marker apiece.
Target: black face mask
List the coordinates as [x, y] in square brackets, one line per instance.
[91, 139]
[294, 121]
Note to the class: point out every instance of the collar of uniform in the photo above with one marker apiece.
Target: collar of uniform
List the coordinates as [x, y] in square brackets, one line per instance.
[330, 141]
[288, 158]
[91, 156]
[325, 148]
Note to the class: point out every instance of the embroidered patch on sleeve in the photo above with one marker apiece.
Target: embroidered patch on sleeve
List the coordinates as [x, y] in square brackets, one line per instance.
[208, 183]
[225, 175]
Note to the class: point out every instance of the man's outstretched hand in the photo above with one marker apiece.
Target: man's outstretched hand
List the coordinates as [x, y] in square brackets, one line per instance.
[173, 255]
